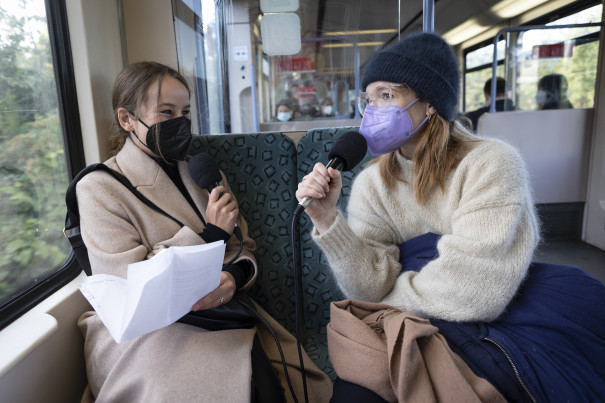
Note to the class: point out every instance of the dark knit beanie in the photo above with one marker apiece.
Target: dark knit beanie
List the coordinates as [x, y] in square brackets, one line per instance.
[426, 63]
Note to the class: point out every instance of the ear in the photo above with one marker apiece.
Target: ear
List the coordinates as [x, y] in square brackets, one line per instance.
[430, 111]
[125, 120]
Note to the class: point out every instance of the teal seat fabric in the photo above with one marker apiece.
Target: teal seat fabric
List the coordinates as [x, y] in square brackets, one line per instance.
[261, 170]
[319, 285]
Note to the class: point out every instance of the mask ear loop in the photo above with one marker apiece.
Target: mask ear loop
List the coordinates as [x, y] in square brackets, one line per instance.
[137, 136]
[412, 103]
[428, 117]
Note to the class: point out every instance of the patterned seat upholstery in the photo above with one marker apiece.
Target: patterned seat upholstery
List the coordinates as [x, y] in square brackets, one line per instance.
[319, 286]
[263, 170]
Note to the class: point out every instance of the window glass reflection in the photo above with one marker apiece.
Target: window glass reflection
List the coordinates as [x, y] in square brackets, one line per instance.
[33, 174]
[238, 86]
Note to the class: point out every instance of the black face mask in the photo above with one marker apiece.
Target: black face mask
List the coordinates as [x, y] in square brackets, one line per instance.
[174, 139]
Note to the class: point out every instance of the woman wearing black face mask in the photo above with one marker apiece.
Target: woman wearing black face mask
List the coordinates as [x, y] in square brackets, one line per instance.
[179, 362]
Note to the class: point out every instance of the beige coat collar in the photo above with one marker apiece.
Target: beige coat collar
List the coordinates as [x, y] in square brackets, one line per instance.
[150, 179]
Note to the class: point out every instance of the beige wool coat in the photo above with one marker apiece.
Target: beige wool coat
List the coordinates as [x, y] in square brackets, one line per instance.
[179, 362]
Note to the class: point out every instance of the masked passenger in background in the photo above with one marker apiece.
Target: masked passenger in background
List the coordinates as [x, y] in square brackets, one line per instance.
[284, 111]
[552, 92]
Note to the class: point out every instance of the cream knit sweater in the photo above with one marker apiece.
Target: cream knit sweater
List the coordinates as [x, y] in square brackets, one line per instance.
[489, 231]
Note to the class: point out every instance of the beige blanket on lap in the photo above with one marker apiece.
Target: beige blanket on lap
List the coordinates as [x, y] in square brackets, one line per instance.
[400, 356]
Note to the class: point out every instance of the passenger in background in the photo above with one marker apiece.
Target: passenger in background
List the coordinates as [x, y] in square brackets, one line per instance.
[503, 103]
[314, 109]
[308, 110]
[435, 256]
[327, 108]
[179, 362]
[284, 111]
[352, 109]
[552, 92]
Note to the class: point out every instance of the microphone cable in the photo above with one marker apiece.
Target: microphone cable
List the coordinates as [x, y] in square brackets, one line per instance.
[347, 151]
[255, 313]
[298, 300]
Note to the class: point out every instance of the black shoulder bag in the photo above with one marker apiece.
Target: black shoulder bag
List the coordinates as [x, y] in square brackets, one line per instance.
[234, 314]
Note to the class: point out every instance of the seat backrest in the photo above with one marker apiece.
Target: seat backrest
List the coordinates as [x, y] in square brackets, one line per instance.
[261, 171]
[319, 285]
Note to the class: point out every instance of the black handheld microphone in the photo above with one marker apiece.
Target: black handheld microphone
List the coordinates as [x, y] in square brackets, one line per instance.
[204, 171]
[348, 151]
[206, 174]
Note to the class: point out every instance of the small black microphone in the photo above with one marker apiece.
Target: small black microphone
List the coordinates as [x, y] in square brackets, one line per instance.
[206, 174]
[204, 171]
[348, 151]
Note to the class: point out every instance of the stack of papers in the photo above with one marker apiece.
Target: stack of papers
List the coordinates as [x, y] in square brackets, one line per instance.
[157, 292]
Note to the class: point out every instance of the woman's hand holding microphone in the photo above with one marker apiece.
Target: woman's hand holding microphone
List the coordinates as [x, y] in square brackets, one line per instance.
[323, 185]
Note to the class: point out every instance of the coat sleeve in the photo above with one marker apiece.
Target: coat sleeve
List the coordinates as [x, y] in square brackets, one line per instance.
[249, 245]
[114, 232]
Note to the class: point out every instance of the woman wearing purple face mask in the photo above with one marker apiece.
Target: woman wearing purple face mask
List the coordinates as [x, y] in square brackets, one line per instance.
[435, 255]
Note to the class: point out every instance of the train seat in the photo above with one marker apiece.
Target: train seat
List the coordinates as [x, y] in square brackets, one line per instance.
[554, 144]
[263, 170]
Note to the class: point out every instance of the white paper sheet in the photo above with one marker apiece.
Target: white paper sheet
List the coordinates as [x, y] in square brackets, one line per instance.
[157, 292]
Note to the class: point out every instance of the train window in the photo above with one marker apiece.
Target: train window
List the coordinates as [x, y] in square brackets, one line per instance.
[222, 42]
[557, 68]
[478, 70]
[34, 174]
[544, 68]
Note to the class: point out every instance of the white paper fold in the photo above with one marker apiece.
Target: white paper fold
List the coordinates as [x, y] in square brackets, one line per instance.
[157, 292]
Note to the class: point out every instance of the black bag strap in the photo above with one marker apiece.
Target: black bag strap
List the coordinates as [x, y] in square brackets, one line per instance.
[72, 218]
[73, 215]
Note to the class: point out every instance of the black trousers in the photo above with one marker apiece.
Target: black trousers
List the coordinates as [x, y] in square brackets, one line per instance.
[347, 392]
[266, 387]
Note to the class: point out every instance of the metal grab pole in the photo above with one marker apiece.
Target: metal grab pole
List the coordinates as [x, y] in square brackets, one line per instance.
[253, 94]
[428, 16]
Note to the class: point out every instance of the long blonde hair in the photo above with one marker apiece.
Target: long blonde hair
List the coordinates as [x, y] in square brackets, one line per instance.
[439, 148]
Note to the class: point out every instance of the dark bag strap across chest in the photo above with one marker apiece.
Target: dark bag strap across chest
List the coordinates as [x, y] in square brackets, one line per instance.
[72, 218]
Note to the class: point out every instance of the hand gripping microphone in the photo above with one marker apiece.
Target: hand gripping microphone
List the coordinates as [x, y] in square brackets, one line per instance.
[348, 150]
[206, 174]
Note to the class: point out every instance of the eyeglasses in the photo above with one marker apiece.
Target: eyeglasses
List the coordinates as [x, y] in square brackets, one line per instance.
[380, 97]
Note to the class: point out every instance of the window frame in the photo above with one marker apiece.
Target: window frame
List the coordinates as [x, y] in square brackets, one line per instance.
[60, 44]
[562, 12]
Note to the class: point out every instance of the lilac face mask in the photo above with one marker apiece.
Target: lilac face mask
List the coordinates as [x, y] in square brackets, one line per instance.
[387, 128]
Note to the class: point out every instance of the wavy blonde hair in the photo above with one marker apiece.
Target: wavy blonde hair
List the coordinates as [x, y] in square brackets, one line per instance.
[439, 149]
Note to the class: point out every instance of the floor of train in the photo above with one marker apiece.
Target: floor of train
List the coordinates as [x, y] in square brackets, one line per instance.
[574, 253]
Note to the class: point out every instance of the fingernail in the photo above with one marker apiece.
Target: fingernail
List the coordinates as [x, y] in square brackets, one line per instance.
[195, 308]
